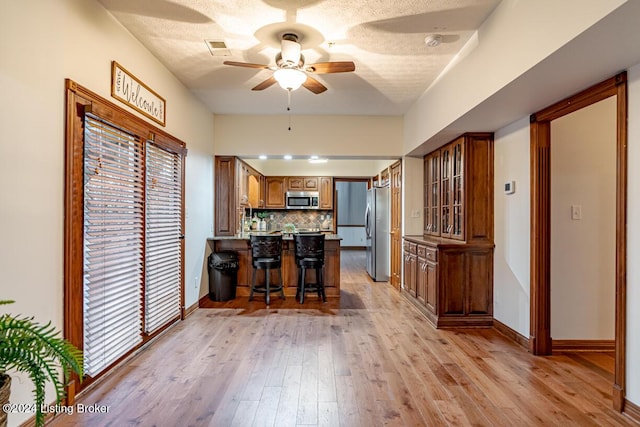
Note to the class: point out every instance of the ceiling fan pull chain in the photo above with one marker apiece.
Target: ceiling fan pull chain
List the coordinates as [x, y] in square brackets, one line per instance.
[289, 106]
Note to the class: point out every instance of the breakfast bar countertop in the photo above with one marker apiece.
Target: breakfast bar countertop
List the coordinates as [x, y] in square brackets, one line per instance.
[241, 246]
[245, 236]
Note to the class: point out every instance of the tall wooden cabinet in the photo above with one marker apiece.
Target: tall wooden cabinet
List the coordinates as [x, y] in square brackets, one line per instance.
[449, 269]
[237, 186]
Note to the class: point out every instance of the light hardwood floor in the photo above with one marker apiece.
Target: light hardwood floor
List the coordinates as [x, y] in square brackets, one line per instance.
[366, 359]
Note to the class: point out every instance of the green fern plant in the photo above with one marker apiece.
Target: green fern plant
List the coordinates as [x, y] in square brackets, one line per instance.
[37, 350]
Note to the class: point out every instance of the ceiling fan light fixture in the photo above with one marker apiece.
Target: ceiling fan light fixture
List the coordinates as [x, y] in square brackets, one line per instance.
[290, 78]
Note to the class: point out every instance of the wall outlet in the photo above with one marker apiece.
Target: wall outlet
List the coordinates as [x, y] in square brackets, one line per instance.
[415, 213]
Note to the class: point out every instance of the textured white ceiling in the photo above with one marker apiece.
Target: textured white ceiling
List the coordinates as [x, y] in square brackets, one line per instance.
[384, 38]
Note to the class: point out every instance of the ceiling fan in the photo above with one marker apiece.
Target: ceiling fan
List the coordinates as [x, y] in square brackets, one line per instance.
[290, 71]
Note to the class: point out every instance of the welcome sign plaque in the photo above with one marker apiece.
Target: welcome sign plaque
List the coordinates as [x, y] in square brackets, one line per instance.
[128, 89]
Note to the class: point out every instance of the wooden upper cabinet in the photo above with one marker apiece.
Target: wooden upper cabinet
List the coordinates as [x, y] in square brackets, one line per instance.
[302, 183]
[326, 192]
[458, 189]
[250, 186]
[275, 192]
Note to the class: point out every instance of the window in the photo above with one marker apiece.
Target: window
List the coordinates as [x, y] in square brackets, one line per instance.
[123, 230]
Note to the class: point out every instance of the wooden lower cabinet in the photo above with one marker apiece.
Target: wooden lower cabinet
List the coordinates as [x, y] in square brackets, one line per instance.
[289, 268]
[410, 268]
[452, 283]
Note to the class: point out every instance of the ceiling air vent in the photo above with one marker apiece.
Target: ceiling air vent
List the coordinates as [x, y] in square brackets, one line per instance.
[218, 48]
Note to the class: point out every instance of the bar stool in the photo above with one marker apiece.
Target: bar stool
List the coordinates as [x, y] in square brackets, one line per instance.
[266, 254]
[310, 255]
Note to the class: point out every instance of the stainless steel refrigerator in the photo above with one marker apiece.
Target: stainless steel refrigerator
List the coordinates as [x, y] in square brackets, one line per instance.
[376, 219]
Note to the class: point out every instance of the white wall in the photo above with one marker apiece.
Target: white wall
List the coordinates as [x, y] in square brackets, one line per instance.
[42, 42]
[511, 270]
[633, 238]
[583, 173]
[363, 168]
[310, 135]
[509, 43]
[412, 196]
[512, 228]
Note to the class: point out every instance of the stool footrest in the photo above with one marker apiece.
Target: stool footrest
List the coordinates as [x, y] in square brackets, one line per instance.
[263, 289]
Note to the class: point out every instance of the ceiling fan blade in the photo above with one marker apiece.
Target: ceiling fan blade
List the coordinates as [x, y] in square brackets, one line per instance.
[314, 86]
[265, 84]
[245, 64]
[331, 67]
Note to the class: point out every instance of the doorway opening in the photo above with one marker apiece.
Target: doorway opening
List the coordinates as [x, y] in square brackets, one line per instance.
[540, 342]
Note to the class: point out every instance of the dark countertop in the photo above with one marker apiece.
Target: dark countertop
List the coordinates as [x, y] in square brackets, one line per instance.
[245, 236]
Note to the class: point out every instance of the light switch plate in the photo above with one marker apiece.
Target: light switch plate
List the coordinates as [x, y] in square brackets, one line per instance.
[576, 212]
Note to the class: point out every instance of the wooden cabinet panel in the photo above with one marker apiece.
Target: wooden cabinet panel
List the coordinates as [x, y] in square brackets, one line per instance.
[426, 277]
[431, 287]
[226, 209]
[410, 268]
[480, 297]
[326, 192]
[275, 192]
[310, 183]
[331, 265]
[479, 182]
[302, 183]
[295, 183]
[421, 280]
[452, 286]
[289, 268]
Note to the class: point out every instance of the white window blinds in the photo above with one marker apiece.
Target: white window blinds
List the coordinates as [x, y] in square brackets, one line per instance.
[163, 237]
[113, 245]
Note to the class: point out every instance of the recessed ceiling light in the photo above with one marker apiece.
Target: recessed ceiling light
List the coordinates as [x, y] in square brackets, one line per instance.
[316, 159]
[288, 157]
[262, 157]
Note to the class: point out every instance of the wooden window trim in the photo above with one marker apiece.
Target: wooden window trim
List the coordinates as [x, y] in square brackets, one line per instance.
[78, 99]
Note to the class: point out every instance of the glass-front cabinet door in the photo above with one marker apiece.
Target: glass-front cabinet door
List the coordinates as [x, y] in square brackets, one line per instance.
[445, 182]
[457, 189]
[434, 193]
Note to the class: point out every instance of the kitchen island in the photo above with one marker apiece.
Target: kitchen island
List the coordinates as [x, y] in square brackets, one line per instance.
[240, 244]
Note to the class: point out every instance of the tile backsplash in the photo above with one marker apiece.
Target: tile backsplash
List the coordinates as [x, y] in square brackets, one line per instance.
[276, 219]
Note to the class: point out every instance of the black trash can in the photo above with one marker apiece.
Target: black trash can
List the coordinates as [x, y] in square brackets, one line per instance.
[223, 275]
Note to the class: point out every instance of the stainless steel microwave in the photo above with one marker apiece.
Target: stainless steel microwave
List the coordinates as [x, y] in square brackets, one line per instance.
[302, 200]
